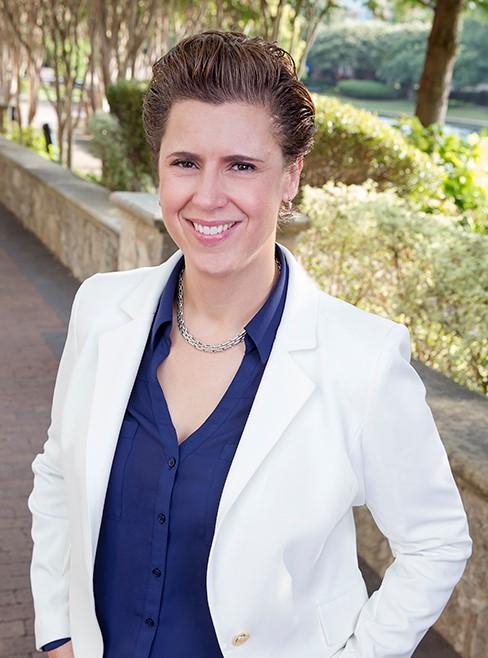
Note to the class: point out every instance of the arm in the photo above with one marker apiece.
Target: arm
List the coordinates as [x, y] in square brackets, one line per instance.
[410, 490]
[49, 570]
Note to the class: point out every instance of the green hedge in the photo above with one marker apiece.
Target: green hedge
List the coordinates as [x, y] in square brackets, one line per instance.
[371, 89]
[125, 100]
[109, 143]
[373, 249]
[353, 145]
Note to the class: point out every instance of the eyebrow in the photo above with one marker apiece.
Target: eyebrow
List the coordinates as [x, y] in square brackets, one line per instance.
[227, 158]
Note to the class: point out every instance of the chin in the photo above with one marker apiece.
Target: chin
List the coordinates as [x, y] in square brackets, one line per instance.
[205, 263]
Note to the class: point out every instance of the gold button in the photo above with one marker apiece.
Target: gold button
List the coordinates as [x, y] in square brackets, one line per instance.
[240, 639]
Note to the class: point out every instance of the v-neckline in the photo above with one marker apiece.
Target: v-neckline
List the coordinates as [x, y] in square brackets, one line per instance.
[218, 415]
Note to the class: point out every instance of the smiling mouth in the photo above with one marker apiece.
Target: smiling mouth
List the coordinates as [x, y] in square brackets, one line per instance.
[214, 229]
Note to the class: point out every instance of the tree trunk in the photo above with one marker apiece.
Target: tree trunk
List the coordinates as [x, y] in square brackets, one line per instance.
[18, 87]
[69, 139]
[435, 82]
[33, 92]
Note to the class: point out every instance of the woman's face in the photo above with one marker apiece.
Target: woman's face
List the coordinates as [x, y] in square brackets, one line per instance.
[220, 164]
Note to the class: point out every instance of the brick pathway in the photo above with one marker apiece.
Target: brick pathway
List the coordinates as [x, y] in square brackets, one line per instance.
[36, 292]
[35, 298]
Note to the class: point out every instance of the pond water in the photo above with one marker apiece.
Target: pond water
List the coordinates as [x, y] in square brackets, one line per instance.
[462, 131]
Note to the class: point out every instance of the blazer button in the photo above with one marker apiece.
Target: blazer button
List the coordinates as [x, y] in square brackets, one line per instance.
[240, 639]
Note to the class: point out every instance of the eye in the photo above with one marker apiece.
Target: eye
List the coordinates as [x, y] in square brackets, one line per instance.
[177, 163]
[187, 164]
[250, 166]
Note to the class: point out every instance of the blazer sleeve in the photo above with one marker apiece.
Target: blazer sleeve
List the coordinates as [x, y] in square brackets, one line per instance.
[49, 569]
[411, 493]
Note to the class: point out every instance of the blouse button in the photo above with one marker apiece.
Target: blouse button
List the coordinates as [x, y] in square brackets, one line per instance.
[149, 621]
[240, 639]
[156, 572]
[171, 462]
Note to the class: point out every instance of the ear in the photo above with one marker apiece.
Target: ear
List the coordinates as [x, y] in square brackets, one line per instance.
[293, 179]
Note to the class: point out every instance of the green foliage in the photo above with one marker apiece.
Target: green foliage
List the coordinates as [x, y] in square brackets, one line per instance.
[402, 67]
[33, 138]
[109, 144]
[373, 249]
[458, 157]
[125, 99]
[361, 49]
[394, 52]
[471, 65]
[348, 47]
[366, 89]
[353, 145]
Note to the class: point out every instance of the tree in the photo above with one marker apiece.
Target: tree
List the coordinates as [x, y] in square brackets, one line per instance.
[402, 67]
[22, 44]
[472, 61]
[440, 55]
[118, 30]
[294, 24]
[360, 49]
[65, 41]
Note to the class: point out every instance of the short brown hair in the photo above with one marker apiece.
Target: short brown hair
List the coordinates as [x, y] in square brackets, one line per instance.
[219, 67]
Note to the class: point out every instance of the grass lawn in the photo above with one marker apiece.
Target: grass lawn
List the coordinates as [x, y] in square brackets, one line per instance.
[457, 110]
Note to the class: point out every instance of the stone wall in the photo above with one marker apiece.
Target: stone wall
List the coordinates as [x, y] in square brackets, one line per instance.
[462, 419]
[91, 230]
[72, 217]
[87, 227]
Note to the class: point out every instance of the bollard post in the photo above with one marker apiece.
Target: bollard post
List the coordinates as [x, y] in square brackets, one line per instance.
[48, 141]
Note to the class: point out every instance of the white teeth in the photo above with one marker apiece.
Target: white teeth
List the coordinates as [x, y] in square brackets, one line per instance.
[212, 230]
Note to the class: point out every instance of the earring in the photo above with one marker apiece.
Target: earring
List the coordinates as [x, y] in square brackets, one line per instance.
[286, 215]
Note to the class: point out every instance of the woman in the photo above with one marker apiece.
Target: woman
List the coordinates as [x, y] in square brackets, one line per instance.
[216, 418]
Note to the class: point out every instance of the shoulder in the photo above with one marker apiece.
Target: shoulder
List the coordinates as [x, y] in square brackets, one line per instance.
[355, 327]
[99, 297]
[117, 283]
[359, 353]
[340, 325]
[356, 347]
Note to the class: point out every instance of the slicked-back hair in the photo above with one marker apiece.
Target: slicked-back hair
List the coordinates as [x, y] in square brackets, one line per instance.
[220, 67]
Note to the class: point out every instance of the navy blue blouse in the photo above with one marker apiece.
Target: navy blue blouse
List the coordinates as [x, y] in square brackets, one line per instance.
[162, 499]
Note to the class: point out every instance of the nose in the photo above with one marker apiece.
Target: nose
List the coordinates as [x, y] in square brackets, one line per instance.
[209, 192]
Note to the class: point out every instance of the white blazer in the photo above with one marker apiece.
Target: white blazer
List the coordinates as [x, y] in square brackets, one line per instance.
[339, 419]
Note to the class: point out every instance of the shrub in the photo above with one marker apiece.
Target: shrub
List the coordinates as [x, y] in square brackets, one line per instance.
[371, 248]
[366, 89]
[125, 100]
[459, 158]
[318, 86]
[353, 145]
[33, 138]
[108, 143]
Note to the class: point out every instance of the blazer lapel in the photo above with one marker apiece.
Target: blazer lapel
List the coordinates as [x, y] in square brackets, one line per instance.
[283, 390]
[284, 387]
[120, 351]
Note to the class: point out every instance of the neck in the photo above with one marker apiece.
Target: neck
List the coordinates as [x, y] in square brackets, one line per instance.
[218, 307]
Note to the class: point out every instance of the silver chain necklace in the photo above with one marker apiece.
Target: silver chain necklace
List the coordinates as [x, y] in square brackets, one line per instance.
[194, 342]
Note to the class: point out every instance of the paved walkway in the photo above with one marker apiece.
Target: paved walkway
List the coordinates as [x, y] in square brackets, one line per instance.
[83, 162]
[36, 292]
[35, 297]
